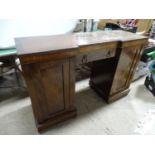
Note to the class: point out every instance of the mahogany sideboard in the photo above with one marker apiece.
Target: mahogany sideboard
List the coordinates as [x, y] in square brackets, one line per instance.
[48, 64]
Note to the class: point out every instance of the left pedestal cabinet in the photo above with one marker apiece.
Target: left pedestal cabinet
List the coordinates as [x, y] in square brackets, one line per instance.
[51, 88]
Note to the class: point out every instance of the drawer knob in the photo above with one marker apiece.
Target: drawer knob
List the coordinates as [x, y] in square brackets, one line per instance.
[108, 54]
[84, 59]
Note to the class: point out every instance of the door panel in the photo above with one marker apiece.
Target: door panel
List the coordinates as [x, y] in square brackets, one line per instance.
[125, 69]
[53, 78]
[52, 81]
[49, 84]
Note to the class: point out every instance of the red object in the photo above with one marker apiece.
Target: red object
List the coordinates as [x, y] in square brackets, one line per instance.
[134, 22]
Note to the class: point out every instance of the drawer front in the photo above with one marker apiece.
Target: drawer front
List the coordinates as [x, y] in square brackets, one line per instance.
[95, 55]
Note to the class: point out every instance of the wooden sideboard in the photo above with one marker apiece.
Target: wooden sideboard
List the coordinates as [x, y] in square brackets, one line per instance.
[48, 64]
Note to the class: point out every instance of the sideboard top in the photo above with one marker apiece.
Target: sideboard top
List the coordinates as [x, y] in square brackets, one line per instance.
[37, 44]
[106, 36]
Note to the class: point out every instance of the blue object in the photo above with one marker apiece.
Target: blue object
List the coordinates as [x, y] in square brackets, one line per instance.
[152, 70]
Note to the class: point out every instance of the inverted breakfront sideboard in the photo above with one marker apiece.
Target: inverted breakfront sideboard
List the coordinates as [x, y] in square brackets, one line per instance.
[48, 65]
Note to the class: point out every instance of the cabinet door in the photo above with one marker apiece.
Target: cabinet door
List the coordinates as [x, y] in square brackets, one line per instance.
[48, 84]
[125, 69]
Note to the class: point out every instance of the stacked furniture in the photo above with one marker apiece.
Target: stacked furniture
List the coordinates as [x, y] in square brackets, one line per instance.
[143, 25]
[152, 33]
[8, 59]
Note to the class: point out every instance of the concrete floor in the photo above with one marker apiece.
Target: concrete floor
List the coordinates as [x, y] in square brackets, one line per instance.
[94, 115]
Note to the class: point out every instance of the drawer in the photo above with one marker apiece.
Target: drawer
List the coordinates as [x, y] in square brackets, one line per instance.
[86, 57]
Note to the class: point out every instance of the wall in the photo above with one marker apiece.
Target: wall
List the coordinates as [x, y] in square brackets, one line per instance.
[9, 29]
